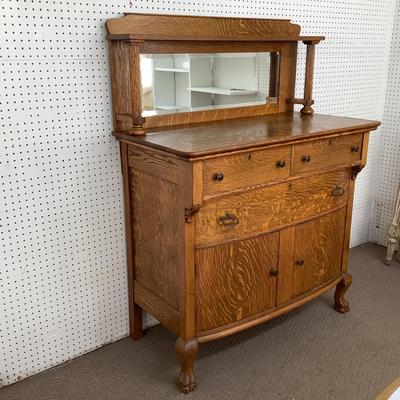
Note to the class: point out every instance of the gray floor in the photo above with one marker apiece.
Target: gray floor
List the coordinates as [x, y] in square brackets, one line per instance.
[311, 353]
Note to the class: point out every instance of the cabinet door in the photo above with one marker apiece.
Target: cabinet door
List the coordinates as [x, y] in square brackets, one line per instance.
[318, 251]
[235, 280]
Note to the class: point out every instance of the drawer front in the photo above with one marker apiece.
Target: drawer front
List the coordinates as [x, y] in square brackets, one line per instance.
[318, 251]
[246, 169]
[264, 209]
[235, 280]
[324, 153]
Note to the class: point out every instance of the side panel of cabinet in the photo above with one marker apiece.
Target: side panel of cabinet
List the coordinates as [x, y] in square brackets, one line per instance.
[161, 188]
[318, 251]
[156, 235]
[235, 280]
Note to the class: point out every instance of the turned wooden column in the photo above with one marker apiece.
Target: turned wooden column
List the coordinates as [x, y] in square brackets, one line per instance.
[308, 81]
[136, 86]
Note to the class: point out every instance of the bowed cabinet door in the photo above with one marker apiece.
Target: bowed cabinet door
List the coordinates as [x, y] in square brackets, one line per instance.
[235, 280]
[318, 251]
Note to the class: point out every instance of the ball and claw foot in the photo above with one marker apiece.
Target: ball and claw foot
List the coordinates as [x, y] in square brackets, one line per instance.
[342, 307]
[186, 386]
[341, 304]
[187, 350]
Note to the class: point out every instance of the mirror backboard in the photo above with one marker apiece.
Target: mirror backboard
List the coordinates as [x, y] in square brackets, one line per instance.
[174, 83]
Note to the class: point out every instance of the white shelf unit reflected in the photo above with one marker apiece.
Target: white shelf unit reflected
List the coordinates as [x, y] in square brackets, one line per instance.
[191, 81]
[223, 91]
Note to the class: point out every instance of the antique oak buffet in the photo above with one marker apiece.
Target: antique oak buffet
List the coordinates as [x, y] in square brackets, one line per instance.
[235, 214]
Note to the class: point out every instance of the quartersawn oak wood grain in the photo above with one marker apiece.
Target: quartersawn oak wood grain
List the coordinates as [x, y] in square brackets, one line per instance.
[183, 27]
[244, 133]
[318, 251]
[285, 277]
[311, 156]
[269, 208]
[122, 94]
[153, 163]
[245, 169]
[235, 281]
[155, 218]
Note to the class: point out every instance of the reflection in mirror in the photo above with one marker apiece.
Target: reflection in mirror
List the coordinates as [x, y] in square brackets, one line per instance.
[189, 82]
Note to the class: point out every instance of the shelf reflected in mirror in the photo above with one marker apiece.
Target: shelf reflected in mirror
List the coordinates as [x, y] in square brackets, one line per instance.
[174, 83]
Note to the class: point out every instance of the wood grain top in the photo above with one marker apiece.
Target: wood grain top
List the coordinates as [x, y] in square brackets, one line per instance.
[242, 133]
[185, 27]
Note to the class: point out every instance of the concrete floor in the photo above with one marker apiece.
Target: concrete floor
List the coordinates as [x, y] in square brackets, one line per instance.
[312, 353]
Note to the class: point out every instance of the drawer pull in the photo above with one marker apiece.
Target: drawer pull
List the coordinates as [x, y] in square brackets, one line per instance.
[306, 158]
[300, 262]
[273, 272]
[354, 149]
[337, 191]
[281, 163]
[218, 176]
[229, 220]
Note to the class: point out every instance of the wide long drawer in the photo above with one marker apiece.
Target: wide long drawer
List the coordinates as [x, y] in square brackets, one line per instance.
[265, 209]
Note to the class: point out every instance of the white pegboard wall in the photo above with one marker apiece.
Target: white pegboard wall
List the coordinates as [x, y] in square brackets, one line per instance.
[63, 286]
[385, 192]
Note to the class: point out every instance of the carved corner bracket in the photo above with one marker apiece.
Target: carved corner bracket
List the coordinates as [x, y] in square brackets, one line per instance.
[355, 171]
[191, 212]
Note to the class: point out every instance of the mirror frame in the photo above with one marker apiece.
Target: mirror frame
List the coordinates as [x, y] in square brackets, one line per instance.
[136, 34]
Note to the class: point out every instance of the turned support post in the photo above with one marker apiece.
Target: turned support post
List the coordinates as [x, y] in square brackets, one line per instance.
[309, 76]
[187, 351]
[137, 128]
[341, 304]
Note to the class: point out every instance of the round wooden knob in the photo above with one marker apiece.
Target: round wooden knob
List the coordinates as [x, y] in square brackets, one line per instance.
[355, 149]
[273, 272]
[306, 158]
[337, 191]
[280, 163]
[218, 176]
[300, 262]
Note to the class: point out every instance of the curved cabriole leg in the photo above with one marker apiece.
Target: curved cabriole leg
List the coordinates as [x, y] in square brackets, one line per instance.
[187, 350]
[341, 304]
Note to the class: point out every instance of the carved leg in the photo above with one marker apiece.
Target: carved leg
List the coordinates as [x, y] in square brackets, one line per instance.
[341, 304]
[136, 327]
[187, 350]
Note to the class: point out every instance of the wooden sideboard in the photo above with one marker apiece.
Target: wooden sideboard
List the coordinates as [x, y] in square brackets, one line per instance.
[231, 221]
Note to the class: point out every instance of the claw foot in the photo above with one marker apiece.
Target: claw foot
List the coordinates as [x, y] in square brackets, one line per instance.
[187, 350]
[186, 388]
[343, 307]
[341, 304]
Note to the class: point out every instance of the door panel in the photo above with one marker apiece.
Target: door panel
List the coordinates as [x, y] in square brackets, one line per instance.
[318, 251]
[234, 280]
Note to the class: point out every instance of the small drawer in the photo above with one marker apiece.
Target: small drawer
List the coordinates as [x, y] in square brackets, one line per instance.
[228, 173]
[324, 153]
[239, 215]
